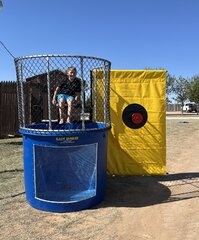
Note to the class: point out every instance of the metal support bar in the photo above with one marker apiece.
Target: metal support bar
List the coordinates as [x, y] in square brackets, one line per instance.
[95, 94]
[49, 95]
[82, 93]
[22, 96]
[105, 95]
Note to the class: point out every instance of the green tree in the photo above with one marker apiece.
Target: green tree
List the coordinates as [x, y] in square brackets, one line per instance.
[181, 88]
[170, 80]
[194, 90]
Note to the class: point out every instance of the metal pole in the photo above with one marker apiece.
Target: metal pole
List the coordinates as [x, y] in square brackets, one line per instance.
[22, 96]
[49, 97]
[107, 69]
[82, 93]
[105, 95]
[95, 94]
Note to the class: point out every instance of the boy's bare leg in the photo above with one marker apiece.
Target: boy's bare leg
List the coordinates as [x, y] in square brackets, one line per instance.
[61, 110]
[70, 109]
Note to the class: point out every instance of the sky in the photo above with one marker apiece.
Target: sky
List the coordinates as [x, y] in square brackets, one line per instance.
[132, 34]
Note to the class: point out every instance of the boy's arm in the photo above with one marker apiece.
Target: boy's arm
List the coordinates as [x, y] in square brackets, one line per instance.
[77, 96]
[78, 92]
[55, 94]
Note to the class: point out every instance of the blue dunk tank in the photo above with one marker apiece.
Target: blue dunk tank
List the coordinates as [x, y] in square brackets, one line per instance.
[64, 163]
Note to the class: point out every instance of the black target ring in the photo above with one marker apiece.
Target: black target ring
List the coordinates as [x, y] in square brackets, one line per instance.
[134, 116]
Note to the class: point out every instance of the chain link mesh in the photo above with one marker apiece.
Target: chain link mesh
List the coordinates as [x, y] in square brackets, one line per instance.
[37, 79]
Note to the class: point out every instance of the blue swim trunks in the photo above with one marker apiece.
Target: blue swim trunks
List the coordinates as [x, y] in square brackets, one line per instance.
[64, 96]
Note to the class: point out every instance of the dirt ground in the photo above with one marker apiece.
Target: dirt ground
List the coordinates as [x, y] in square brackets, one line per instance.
[134, 208]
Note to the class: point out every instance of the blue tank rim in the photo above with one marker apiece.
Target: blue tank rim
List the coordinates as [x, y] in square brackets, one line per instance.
[42, 129]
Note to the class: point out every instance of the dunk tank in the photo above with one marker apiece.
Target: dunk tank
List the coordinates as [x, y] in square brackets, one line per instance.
[64, 164]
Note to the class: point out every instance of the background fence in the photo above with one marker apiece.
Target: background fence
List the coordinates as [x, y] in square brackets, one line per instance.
[8, 109]
[173, 107]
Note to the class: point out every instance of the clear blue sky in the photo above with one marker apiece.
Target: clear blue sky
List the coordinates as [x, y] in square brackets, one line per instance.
[132, 34]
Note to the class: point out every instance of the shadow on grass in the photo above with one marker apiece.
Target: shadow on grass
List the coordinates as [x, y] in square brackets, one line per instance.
[142, 191]
[12, 196]
[13, 143]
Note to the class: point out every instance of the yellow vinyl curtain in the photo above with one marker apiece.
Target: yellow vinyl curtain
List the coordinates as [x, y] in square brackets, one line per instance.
[137, 151]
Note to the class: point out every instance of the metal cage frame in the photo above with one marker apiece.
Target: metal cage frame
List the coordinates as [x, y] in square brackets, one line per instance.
[36, 71]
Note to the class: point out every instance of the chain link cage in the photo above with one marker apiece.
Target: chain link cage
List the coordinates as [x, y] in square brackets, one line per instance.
[37, 78]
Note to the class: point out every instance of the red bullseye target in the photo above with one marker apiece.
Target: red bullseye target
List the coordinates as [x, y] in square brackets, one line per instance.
[137, 118]
[134, 116]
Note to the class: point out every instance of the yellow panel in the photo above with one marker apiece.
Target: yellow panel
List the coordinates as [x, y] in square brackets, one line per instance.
[138, 151]
[98, 93]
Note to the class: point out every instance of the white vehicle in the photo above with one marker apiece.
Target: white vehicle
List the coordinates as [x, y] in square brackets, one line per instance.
[189, 107]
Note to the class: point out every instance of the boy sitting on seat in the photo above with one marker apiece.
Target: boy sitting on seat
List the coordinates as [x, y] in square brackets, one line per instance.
[67, 91]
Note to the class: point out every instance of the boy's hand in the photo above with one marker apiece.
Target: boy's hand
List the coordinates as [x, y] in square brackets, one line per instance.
[77, 99]
[54, 101]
